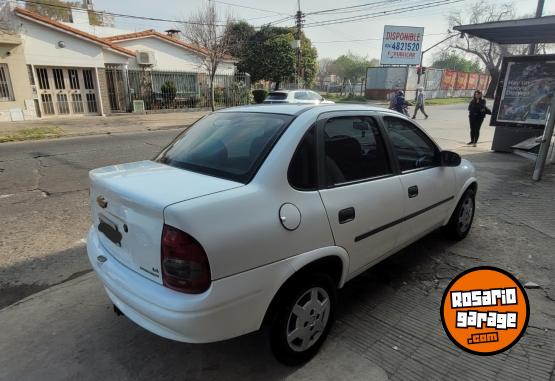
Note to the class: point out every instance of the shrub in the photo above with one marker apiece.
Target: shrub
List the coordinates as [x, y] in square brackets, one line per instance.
[169, 91]
[259, 95]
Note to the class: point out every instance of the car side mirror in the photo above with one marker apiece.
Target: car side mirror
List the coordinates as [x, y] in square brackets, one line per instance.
[450, 159]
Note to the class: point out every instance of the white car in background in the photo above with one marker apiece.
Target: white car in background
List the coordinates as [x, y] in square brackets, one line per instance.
[255, 216]
[295, 96]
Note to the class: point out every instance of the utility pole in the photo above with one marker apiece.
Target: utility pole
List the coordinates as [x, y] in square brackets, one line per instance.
[299, 17]
[539, 12]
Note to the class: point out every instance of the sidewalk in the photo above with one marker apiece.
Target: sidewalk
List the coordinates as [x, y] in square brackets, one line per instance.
[69, 126]
[97, 125]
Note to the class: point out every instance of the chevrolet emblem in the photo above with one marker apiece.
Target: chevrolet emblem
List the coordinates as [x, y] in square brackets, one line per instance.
[102, 202]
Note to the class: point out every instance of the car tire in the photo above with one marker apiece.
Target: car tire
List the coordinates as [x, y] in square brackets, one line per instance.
[461, 220]
[307, 307]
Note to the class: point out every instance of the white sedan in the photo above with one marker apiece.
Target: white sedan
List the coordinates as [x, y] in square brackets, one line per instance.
[296, 96]
[255, 216]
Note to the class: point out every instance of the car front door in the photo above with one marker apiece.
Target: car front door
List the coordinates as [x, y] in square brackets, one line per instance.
[428, 187]
[360, 190]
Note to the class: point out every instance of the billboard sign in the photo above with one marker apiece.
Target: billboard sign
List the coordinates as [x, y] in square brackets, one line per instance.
[402, 45]
[448, 81]
[524, 92]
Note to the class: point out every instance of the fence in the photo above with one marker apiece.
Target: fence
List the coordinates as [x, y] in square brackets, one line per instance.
[174, 90]
[437, 83]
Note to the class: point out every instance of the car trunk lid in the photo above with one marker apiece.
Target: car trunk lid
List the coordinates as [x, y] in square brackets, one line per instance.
[127, 205]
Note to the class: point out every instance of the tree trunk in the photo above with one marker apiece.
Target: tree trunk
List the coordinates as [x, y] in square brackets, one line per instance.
[276, 86]
[212, 101]
[490, 92]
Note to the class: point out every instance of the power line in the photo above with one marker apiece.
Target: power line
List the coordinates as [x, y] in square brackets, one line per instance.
[256, 9]
[370, 39]
[344, 9]
[121, 15]
[382, 13]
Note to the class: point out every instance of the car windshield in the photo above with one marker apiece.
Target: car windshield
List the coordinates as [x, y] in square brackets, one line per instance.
[276, 96]
[231, 145]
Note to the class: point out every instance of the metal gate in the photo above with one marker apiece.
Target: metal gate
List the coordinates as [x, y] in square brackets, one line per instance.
[118, 90]
[67, 91]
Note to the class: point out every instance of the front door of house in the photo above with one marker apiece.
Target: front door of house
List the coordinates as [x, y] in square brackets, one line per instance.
[67, 91]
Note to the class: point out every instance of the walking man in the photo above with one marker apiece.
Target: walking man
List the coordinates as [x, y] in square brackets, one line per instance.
[420, 100]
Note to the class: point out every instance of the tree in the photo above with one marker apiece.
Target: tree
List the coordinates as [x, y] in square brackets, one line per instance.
[238, 34]
[55, 9]
[325, 68]
[457, 62]
[489, 53]
[204, 30]
[351, 67]
[267, 54]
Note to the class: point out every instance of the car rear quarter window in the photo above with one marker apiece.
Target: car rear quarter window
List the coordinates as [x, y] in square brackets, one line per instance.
[231, 145]
[413, 148]
[354, 150]
[301, 95]
[302, 169]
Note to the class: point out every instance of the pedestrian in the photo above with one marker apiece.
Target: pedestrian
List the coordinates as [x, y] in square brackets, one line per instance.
[477, 111]
[401, 105]
[420, 102]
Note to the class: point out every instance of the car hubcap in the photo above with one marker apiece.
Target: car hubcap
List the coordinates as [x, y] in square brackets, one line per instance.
[466, 214]
[308, 319]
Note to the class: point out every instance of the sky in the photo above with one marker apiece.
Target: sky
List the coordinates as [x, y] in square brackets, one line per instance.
[332, 40]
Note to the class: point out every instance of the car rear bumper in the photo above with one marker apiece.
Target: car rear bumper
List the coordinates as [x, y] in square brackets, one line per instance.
[231, 307]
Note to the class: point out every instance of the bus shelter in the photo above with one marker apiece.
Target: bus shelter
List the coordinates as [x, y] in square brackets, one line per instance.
[532, 124]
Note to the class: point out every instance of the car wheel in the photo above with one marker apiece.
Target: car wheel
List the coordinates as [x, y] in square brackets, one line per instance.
[462, 217]
[303, 319]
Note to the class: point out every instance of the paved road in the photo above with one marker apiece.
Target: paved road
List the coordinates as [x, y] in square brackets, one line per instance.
[44, 196]
[44, 204]
[388, 322]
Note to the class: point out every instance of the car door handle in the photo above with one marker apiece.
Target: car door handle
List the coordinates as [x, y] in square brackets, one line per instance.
[346, 215]
[413, 191]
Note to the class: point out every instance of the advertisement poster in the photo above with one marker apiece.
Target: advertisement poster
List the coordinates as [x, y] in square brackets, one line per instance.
[402, 45]
[527, 88]
[462, 78]
[448, 81]
[472, 81]
[484, 81]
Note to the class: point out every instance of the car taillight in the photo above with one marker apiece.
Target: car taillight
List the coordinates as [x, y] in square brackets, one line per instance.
[185, 265]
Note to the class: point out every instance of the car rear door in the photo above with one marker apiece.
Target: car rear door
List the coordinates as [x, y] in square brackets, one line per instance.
[428, 187]
[359, 187]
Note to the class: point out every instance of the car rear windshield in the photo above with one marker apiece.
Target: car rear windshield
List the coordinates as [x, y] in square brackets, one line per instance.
[231, 145]
[276, 97]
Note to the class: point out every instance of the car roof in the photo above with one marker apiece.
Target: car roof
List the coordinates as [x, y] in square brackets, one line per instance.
[296, 109]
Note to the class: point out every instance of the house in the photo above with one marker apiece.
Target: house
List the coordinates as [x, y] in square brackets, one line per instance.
[52, 68]
[16, 98]
[67, 65]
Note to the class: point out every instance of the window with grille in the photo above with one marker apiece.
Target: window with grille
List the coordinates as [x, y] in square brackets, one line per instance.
[73, 79]
[59, 79]
[6, 91]
[88, 78]
[42, 75]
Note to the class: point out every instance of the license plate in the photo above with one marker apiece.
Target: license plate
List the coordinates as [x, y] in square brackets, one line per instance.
[110, 230]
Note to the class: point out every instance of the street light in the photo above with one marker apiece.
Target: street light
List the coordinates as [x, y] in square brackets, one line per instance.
[430, 48]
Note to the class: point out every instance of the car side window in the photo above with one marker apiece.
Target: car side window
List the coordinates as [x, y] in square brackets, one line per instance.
[302, 169]
[354, 150]
[301, 95]
[413, 148]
